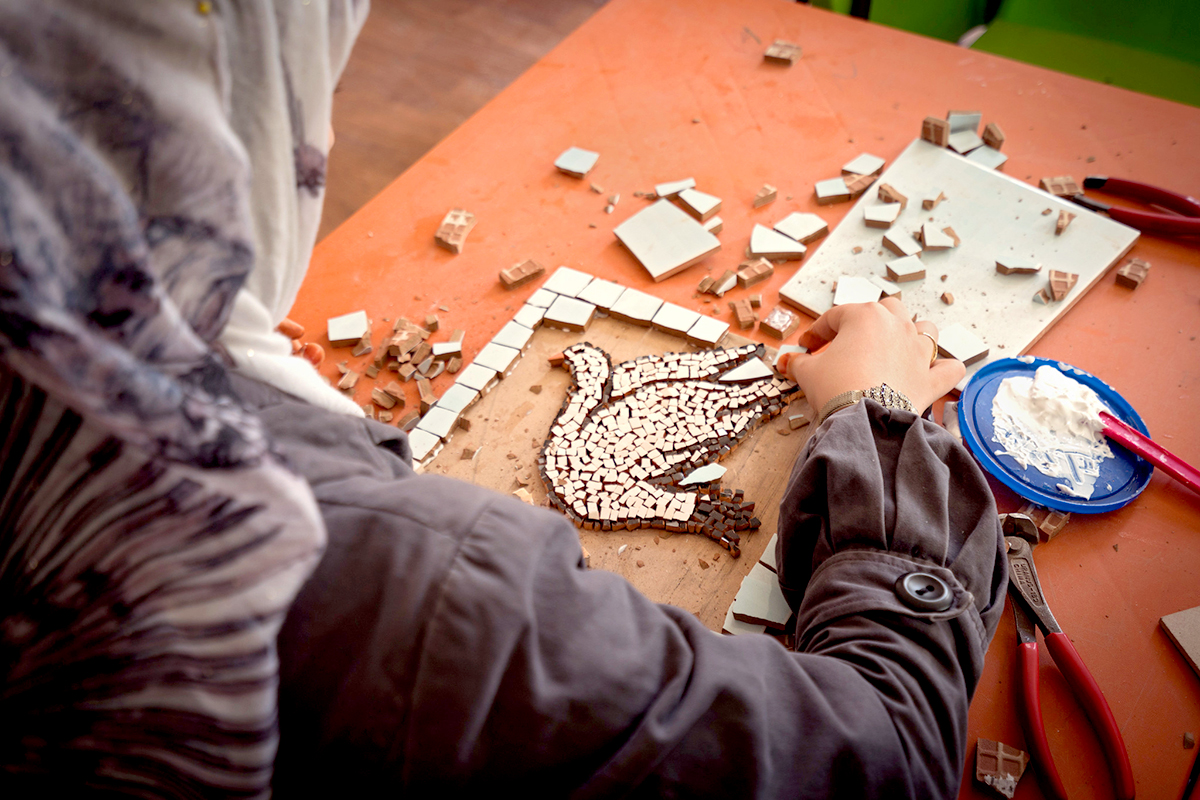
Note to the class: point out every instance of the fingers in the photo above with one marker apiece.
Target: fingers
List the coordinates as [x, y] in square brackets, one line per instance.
[824, 328]
[927, 328]
[944, 375]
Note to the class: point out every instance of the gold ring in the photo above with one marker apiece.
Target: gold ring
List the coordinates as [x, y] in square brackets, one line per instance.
[933, 357]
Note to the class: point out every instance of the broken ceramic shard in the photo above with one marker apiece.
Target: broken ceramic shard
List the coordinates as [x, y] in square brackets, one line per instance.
[709, 473]
[714, 225]
[881, 216]
[497, 357]
[853, 289]
[576, 162]
[782, 52]
[1017, 266]
[765, 195]
[993, 137]
[452, 233]
[636, 307]
[478, 377]
[987, 157]
[752, 272]
[1132, 274]
[833, 190]
[766, 243]
[761, 601]
[348, 329]
[906, 268]
[780, 323]
[665, 239]
[566, 281]
[700, 205]
[1061, 186]
[956, 341]
[520, 274]
[601, 293]
[674, 319]
[865, 164]
[803, 227]
[963, 142]
[752, 370]
[513, 334]
[707, 332]
[934, 238]
[569, 313]
[963, 121]
[672, 188]
[935, 131]
[901, 243]
[1064, 219]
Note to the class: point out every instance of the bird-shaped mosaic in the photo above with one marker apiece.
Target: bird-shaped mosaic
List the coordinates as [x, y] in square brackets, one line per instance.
[629, 447]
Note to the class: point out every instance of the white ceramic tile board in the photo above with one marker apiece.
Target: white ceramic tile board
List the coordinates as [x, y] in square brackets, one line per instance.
[996, 216]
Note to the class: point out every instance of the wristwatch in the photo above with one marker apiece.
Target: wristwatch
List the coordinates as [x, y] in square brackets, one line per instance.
[882, 394]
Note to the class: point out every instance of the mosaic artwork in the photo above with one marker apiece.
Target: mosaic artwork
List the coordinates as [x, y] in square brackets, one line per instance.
[637, 444]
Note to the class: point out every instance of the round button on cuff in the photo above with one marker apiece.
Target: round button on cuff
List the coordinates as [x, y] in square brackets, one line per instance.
[922, 591]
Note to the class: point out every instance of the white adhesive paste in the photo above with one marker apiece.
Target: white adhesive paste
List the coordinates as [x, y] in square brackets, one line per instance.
[1052, 422]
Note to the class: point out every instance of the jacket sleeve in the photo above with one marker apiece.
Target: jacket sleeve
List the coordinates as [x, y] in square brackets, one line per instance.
[452, 641]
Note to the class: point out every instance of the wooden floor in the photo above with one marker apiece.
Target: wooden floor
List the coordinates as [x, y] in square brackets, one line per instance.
[420, 68]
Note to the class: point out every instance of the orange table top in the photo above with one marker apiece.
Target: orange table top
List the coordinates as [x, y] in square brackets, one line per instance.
[667, 89]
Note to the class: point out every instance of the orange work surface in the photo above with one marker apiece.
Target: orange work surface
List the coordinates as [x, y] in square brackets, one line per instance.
[667, 89]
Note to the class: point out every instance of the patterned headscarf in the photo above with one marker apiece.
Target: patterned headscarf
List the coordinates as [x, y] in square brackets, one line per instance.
[161, 172]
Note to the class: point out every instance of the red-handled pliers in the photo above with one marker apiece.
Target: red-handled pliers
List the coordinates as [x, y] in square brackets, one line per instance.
[1185, 222]
[1030, 608]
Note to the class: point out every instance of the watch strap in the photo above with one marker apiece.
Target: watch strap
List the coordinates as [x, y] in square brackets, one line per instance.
[883, 394]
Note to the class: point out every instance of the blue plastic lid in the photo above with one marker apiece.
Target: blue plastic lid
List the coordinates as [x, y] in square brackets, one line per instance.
[1122, 477]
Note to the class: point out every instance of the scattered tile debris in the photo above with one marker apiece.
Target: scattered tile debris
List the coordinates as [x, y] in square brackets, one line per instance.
[576, 162]
[782, 52]
[1133, 273]
[765, 195]
[452, 233]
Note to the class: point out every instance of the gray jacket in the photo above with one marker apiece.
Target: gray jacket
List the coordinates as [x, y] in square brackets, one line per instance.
[451, 640]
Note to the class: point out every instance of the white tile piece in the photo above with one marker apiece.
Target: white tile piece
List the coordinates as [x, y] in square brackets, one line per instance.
[964, 141]
[881, 215]
[601, 293]
[1009, 265]
[831, 189]
[424, 445]
[889, 289]
[968, 121]
[514, 335]
[701, 205]
[768, 556]
[458, 398]
[665, 239]
[708, 331]
[498, 357]
[865, 164]
[438, 421]
[901, 243]
[957, 341]
[760, 600]
[636, 307]
[853, 289]
[576, 161]
[995, 215]
[672, 188]
[735, 627]
[802, 227]
[674, 319]
[785, 349]
[567, 281]
[703, 475]
[766, 243]
[714, 225]
[348, 328]
[935, 238]
[530, 316]
[570, 313]
[987, 156]
[542, 298]
[752, 370]
[907, 268]
[446, 349]
[478, 377]
[719, 289]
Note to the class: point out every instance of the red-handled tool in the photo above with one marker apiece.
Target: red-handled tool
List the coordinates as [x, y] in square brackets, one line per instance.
[1133, 441]
[1185, 222]
[1030, 609]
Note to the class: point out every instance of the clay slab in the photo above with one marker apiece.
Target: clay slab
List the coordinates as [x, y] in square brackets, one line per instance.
[576, 162]
[665, 239]
[766, 243]
[802, 227]
[992, 225]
